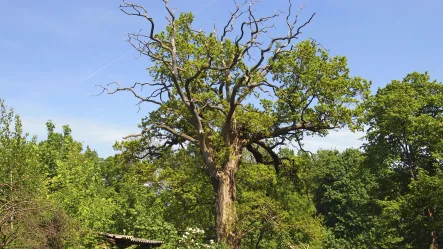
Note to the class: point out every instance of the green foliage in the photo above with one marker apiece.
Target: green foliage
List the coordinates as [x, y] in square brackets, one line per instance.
[405, 151]
[343, 196]
[75, 180]
[220, 95]
[26, 218]
[139, 210]
[314, 88]
[405, 126]
[222, 115]
[274, 211]
[19, 156]
[420, 209]
[183, 186]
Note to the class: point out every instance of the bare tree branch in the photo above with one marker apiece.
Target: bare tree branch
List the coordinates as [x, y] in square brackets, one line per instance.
[165, 128]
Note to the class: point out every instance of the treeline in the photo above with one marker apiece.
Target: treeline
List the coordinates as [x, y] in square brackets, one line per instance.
[388, 194]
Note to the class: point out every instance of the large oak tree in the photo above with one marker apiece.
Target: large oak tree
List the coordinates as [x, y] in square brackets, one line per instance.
[235, 89]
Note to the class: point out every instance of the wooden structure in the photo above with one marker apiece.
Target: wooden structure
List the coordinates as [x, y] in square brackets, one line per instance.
[124, 241]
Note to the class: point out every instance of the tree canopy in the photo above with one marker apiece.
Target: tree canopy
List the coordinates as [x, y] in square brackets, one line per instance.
[237, 91]
[219, 161]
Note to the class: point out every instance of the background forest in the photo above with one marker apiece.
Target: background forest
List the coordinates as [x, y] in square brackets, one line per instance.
[220, 161]
[56, 193]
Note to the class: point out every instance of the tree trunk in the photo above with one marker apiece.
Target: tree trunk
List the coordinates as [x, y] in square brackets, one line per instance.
[434, 244]
[434, 236]
[226, 218]
[11, 198]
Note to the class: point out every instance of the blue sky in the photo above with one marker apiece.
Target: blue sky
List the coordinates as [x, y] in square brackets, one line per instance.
[53, 53]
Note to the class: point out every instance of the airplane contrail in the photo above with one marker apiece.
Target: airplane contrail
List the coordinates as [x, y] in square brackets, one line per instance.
[132, 49]
[205, 6]
[107, 65]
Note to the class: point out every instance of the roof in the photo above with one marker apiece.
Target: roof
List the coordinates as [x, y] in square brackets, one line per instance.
[130, 240]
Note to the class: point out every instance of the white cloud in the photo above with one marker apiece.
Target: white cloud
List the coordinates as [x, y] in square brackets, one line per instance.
[339, 140]
[101, 136]
[98, 135]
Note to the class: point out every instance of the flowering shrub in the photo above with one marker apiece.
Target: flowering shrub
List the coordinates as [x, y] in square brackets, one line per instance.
[193, 239]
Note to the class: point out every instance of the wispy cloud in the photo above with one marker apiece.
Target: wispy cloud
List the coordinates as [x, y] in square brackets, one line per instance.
[101, 136]
[98, 135]
[339, 140]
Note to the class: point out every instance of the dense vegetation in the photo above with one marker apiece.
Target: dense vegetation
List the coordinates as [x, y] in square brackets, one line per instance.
[55, 193]
[215, 165]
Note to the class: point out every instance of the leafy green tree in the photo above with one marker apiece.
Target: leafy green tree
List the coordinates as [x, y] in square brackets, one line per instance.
[140, 210]
[183, 186]
[343, 195]
[76, 184]
[412, 220]
[26, 218]
[227, 92]
[405, 141]
[405, 125]
[420, 210]
[276, 210]
[273, 212]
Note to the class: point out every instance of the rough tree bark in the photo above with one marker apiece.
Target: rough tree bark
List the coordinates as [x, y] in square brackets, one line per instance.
[224, 184]
[226, 218]
[434, 244]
